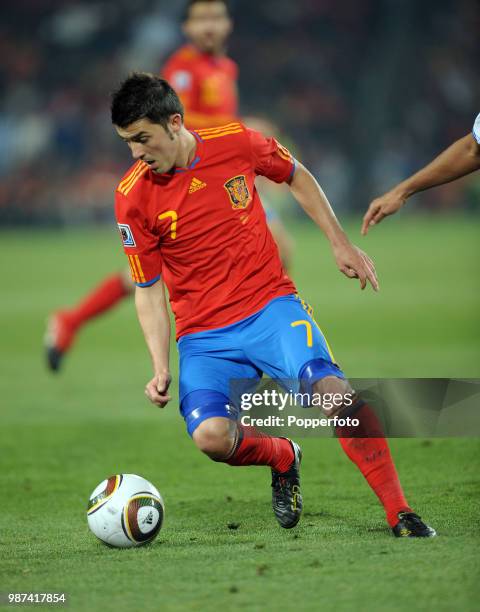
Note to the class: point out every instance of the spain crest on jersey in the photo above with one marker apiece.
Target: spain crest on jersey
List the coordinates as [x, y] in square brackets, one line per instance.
[238, 192]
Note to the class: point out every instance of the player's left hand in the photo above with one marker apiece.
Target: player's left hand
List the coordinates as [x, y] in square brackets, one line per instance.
[354, 263]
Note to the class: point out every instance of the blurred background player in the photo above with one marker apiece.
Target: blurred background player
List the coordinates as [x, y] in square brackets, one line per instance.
[460, 159]
[206, 81]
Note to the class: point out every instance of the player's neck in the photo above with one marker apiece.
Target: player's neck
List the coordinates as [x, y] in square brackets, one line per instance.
[187, 149]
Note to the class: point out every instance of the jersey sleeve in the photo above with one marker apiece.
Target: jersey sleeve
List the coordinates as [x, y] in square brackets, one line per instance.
[476, 129]
[270, 158]
[141, 246]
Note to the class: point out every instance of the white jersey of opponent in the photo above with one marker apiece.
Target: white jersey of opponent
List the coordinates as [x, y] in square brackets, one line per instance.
[476, 129]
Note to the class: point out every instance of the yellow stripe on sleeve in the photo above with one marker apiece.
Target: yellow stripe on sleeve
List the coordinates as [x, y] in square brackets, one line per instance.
[220, 128]
[127, 189]
[128, 178]
[133, 269]
[139, 268]
[210, 136]
[126, 185]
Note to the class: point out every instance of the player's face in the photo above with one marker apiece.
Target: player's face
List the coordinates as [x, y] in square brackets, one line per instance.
[208, 26]
[152, 143]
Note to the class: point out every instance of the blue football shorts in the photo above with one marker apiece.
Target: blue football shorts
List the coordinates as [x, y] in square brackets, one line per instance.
[282, 340]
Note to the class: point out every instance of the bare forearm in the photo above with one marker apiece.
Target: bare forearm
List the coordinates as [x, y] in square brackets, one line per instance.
[461, 158]
[308, 193]
[155, 322]
[350, 260]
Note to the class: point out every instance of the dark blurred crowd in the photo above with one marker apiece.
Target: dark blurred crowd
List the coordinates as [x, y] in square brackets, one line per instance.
[366, 90]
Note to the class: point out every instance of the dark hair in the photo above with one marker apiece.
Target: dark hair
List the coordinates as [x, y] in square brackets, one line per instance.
[144, 96]
[190, 3]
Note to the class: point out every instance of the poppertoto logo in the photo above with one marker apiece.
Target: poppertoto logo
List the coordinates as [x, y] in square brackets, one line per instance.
[238, 192]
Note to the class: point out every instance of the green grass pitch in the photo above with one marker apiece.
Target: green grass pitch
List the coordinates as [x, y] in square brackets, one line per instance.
[62, 435]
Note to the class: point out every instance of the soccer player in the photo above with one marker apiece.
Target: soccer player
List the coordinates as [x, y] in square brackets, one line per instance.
[200, 72]
[189, 215]
[206, 81]
[461, 158]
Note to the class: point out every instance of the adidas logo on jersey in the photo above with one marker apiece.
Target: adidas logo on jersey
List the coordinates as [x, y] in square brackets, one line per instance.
[195, 185]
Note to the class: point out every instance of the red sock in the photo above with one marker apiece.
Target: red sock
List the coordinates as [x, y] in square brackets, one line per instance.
[257, 448]
[102, 298]
[372, 457]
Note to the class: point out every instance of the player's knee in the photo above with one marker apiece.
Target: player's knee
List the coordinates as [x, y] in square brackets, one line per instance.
[215, 437]
[336, 394]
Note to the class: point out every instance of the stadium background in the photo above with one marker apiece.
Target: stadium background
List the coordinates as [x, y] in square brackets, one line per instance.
[366, 92]
[353, 84]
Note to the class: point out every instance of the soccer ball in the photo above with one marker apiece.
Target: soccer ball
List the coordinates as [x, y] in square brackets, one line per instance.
[125, 510]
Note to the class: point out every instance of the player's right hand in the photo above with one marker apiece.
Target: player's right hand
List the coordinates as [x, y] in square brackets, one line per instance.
[157, 389]
[380, 208]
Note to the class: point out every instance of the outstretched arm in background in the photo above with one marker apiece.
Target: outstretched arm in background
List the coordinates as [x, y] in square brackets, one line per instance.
[461, 158]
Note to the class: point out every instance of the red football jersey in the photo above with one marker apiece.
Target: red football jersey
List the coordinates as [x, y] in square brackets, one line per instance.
[206, 84]
[203, 228]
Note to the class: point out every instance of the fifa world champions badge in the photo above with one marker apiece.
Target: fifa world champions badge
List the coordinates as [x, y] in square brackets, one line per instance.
[127, 235]
[238, 192]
